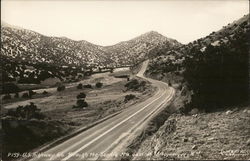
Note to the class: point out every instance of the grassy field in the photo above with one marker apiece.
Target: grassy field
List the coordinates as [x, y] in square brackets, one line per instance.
[60, 118]
[103, 101]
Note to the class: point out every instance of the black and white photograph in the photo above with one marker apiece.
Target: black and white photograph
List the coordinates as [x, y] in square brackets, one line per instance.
[124, 80]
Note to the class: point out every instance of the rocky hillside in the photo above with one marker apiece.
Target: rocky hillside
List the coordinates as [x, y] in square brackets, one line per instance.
[214, 68]
[30, 57]
[129, 52]
[209, 117]
[30, 46]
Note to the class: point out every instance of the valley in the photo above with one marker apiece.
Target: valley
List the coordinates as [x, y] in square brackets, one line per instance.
[59, 108]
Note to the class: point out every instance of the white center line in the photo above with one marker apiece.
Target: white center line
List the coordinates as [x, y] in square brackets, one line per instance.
[86, 145]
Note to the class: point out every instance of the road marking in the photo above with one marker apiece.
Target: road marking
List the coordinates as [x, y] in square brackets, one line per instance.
[86, 145]
[134, 127]
[74, 145]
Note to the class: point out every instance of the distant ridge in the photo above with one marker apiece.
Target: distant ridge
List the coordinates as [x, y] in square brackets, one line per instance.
[27, 45]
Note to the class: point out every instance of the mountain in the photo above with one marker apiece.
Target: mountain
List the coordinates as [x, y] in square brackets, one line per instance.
[128, 52]
[30, 46]
[21, 47]
[213, 68]
[27, 45]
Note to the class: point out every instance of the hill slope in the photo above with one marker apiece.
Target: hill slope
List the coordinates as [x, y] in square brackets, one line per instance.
[209, 117]
[139, 47]
[26, 54]
[214, 68]
[26, 45]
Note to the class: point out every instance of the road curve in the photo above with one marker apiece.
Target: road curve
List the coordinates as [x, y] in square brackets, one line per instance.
[109, 138]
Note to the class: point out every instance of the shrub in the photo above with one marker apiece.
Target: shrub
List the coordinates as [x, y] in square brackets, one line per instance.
[81, 103]
[99, 85]
[134, 84]
[129, 97]
[218, 76]
[143, 83]
[25, 95]
[60, 88]
[79, 86]
[81, 96]
[7, 97]
[45, 92]
[27, 112]
[87, 86]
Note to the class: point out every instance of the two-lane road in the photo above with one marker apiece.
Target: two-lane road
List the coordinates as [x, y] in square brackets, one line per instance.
[113, 135]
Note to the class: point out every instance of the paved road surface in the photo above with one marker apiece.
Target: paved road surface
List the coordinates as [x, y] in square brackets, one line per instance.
[109, 138]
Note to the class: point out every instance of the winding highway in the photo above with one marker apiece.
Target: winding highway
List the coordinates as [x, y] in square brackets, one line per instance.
[109, 139]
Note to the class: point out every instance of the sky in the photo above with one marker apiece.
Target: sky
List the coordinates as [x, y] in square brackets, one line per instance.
[105, 22]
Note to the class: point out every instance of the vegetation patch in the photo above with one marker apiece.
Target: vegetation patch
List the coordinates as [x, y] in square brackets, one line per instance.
[136, 85]
[25, 128]
[99, 85]
[60, 88]
[129, 97]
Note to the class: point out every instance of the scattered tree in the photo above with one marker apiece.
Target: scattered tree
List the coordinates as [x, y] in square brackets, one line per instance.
[81, 96]
[99, 85]
[25, 95]
[60, 88]
[129, 97]
[45, 92]
[79, 86]
[81, 103]
[26, 112]
[87, 86]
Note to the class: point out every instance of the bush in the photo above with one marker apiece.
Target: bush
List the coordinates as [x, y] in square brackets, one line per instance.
[99, 85]
[7, 97]
[143, 83]
[79, 86]
[218, 76]
[45, 92]
[60, 88]
[129, 97]
[81, 96]
[87, 86]
[134, 84]
[26, 112]
[81, 103]
[25, 95]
